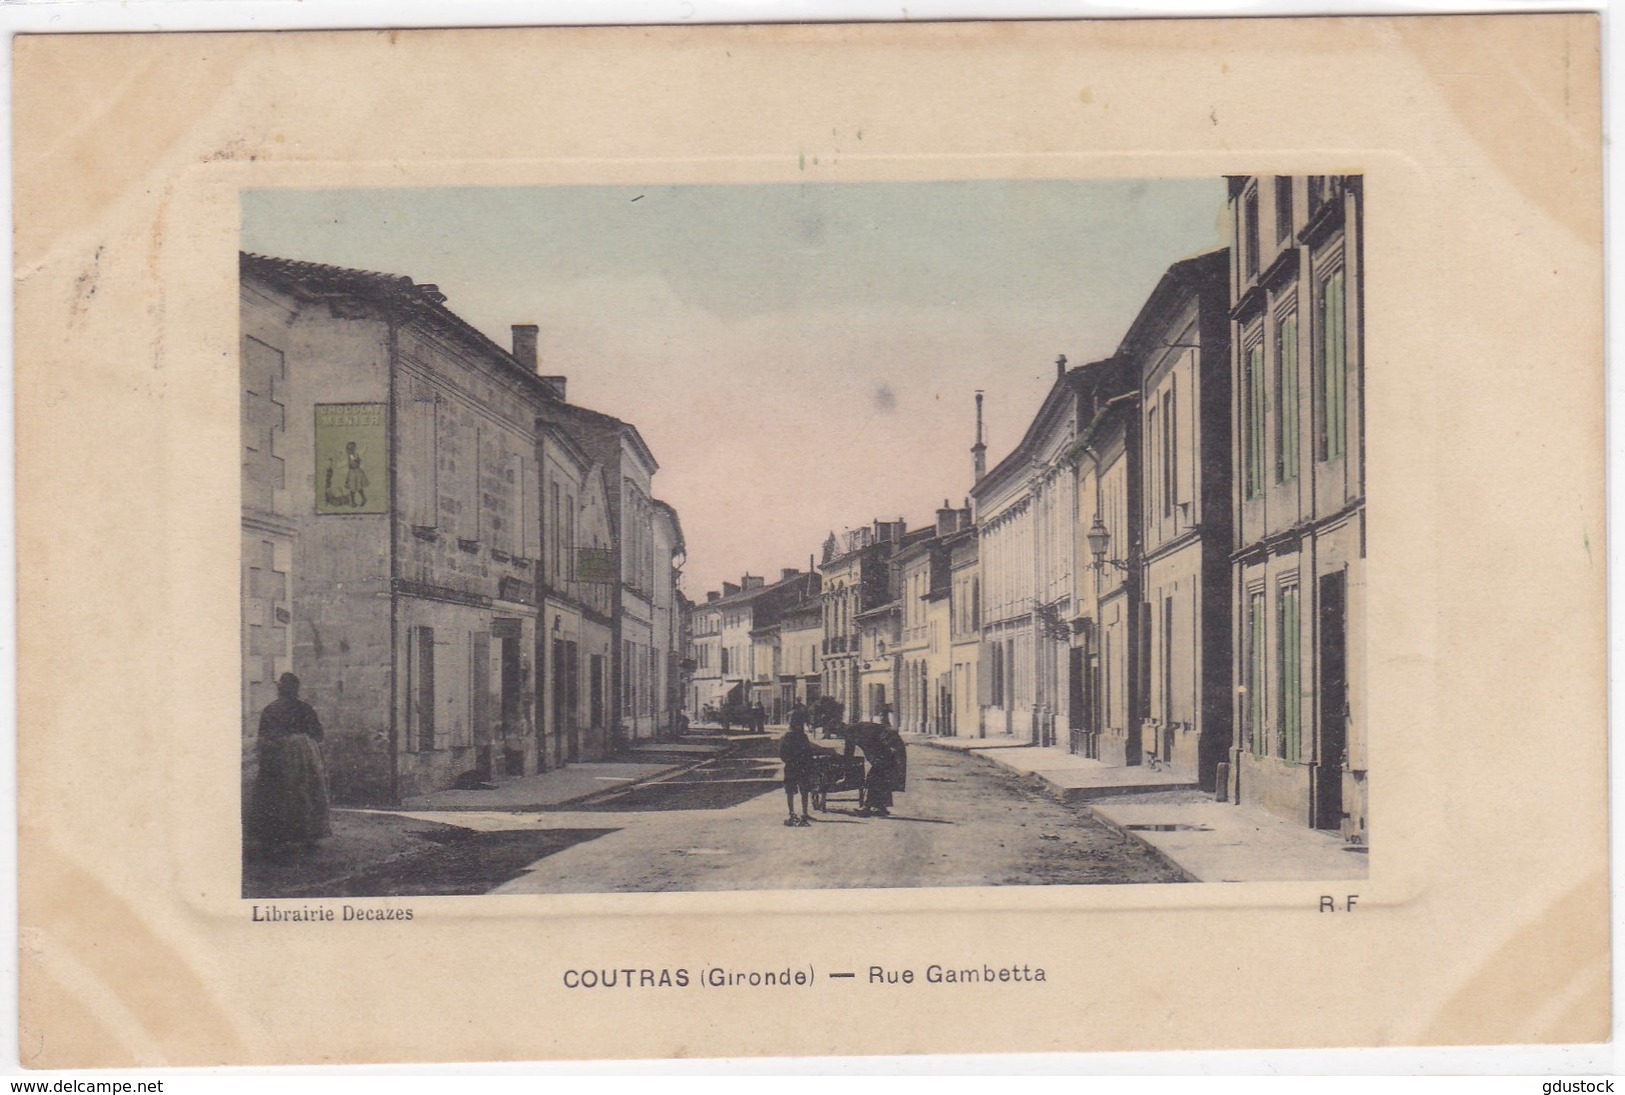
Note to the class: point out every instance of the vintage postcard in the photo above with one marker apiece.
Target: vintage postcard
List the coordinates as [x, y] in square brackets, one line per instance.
[1010, 519]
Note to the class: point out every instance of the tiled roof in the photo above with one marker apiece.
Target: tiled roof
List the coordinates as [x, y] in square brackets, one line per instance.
[395, 291]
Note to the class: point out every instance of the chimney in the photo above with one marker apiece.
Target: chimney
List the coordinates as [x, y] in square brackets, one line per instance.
[978, 451]
[729, 589]
[751, 581]
[1060, 367]
[786, 573]
[712, 595]
[965, 519]
[524, 345]
[558, 383]
[947, 519]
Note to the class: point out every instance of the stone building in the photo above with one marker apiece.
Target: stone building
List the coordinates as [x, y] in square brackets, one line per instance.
[1297, 351]
[390, 527]
[1004, 528]
[925, 673]
[747, 637]
[668, 639]
[576, 590]
[628, 468]
[1027, 517]
[965, 628]
[801, 636]
[706, 689]
[877, 663]
[1178, 346]
[856, 573]
[1105, 664]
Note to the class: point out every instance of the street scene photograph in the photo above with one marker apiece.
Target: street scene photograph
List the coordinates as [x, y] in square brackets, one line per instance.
[974, 533]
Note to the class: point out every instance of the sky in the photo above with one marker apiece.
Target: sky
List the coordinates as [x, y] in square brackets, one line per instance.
[800, 358]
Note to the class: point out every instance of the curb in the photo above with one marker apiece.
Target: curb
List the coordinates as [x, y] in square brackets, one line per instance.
[1155, 851]
[1038, 782]
[593, 797]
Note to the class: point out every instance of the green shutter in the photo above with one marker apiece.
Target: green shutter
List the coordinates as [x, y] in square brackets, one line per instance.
[1255, 686]
[1255, 422]
[1334, 350]
[1288, 410]
[1290, 676]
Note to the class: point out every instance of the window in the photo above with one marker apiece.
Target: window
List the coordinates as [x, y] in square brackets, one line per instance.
[1170, 449]
[1288, 673]
[1256, 409]
[1106, 714]
[1283, 207]
[570, 536]
[555, 533]
[420, 452]
[423, 709]
[1286, 398]
[1252, 702]
[1333, 367]
[1155, 450]
[1167, 654]
[1249, 233]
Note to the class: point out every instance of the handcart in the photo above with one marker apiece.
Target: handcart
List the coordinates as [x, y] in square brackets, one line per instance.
[834, 773]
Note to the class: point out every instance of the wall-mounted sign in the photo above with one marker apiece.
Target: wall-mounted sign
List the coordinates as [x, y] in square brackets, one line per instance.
[595, 566]
[352, 458]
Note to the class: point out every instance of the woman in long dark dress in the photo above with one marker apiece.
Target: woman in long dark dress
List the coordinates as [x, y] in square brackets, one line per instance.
[887, 757]
[290, 793]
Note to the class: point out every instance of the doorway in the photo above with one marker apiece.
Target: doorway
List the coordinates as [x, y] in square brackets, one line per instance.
[1077, 709]
[1334, 705]
[560, 705]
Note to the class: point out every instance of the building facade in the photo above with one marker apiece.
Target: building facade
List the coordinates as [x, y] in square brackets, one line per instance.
[965, 628]
[1027, 514]
[856, 578]
[1297, 356]
[1107, 662]
[390, 527]
[801, 637]
[575, 583]
[628, 469]
[706, 688]
[1178, 346]
[444, 550]
[668, 641]
[925, 673]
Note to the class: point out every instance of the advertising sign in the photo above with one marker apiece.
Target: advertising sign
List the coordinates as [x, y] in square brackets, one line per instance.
[352, 453]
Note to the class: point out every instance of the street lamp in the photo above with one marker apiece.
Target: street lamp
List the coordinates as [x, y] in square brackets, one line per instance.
[1099, 540]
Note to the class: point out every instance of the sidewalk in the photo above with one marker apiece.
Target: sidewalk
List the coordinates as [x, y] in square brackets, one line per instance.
[1210, 841]
[1068, 776]
[385, 851]
[584, 779]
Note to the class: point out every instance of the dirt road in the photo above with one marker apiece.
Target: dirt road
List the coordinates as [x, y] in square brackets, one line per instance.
[961, 822]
